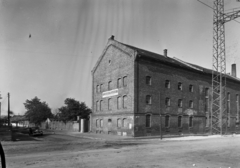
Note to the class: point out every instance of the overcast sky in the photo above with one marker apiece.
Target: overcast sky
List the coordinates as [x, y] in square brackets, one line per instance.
[68, 36]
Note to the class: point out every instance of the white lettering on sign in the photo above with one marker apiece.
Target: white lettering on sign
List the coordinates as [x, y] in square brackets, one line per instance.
[110, 93]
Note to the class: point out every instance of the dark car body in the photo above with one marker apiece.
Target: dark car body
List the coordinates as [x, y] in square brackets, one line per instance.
[35, 131]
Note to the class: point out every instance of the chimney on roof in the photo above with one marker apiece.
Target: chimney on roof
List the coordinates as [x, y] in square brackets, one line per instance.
[234, 70]
[112, 37]
[165, 52]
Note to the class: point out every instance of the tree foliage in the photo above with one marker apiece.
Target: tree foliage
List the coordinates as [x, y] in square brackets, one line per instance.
[72, 109]
[37, 111]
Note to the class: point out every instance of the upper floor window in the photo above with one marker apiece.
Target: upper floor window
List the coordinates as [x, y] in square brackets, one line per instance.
[109, 104]
[148, 120]
[109, 85]
[119, 82]
[125, 101]
[179, 86]
[206, 92]
[125, 81]
[228, 96]
[148, 80]
[167, 101]
[101, 105]
[101, 87]
[119, 123]
[97, 106]
[190, 104]
[148, 99]
[167, 84]
[237, 98]
[119, 99]
[190, 88]
[167, 121]
[125, 123]
[180, 103]
[97, 88]
[101, 123]
[97, 123]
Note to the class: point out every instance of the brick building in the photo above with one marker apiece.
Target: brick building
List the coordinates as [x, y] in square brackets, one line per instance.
[132, 88]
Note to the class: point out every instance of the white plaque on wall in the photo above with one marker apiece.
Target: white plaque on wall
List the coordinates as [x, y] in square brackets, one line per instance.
[110, 93]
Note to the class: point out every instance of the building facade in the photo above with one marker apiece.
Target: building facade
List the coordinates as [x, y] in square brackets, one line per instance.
[139, 93]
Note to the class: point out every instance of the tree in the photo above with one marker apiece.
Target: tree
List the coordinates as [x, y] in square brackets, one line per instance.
[72, 109]
[37, 111]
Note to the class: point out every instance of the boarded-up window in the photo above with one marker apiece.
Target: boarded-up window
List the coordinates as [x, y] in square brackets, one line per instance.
[119, 102]
[167, 121]
[148, 120]
[125, 81]
[125, 101]
[119, 123]
[148, 99]
[148, 80]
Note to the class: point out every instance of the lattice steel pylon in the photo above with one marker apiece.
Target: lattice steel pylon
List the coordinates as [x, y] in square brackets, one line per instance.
[218, 106]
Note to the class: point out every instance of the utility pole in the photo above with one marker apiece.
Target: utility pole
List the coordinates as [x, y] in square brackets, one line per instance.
[8, 109]
[218, 105]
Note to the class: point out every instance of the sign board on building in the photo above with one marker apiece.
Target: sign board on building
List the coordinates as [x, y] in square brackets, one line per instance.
[110, 93]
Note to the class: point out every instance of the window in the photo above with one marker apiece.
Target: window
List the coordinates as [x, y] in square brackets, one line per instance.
[98, 89]
[180, 103]
[97, 106]
[179, 121]
[109, 85]
[190, 121]
[167, 84]
[125, 123]
[190, 104]
[125, 101]
[101, 87]
[125, 81]
[228, 108]
[167, 101]
[190, 88]
[148, 99]
[167, 121]
[148, 120]
[237, 103]
[119, 102]
[206, 99]
[119, 124]
[97, 123]
[101, 123]
[148, 80]
[179, 86]
[101, 105]
[109, 104]
[119, 82]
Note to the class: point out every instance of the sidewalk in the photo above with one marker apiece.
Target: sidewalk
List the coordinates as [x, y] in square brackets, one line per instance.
[90, 135]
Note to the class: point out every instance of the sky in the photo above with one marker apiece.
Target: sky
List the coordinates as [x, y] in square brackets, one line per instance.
[68, 37]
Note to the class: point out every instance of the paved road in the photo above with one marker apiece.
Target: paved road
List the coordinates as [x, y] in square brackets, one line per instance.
[54, 150]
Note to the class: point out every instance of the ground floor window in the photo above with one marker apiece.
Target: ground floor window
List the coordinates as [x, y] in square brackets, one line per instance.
[101, 123]
[148, 120]
[167, 121]
[190, 121]
[179, 121]
[119, 123]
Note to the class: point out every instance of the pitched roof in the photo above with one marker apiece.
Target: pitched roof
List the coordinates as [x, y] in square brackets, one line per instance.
[175, 61]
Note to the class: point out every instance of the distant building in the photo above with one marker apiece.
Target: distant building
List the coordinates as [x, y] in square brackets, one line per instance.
[132, 87]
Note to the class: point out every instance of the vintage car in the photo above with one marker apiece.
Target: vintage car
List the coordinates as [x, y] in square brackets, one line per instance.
[35, 131]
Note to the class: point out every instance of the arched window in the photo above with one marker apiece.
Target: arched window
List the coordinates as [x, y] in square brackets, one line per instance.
[125, 123]
[125, 81]
[148, 80]
[167, 121]
[191, 121]
[109, 104]
[125, 101]
[148, 120]
[119, 99]
[167, 84]
[119, 123]
[167, 101]
[148, 99]
[179, 121]
[119, 82]
[97, 123]
[190, 88]
[180, 103]
[179, 86]
[101, 123]
[190, 104]
[97, 105]
[101, 105]
[109, 85]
